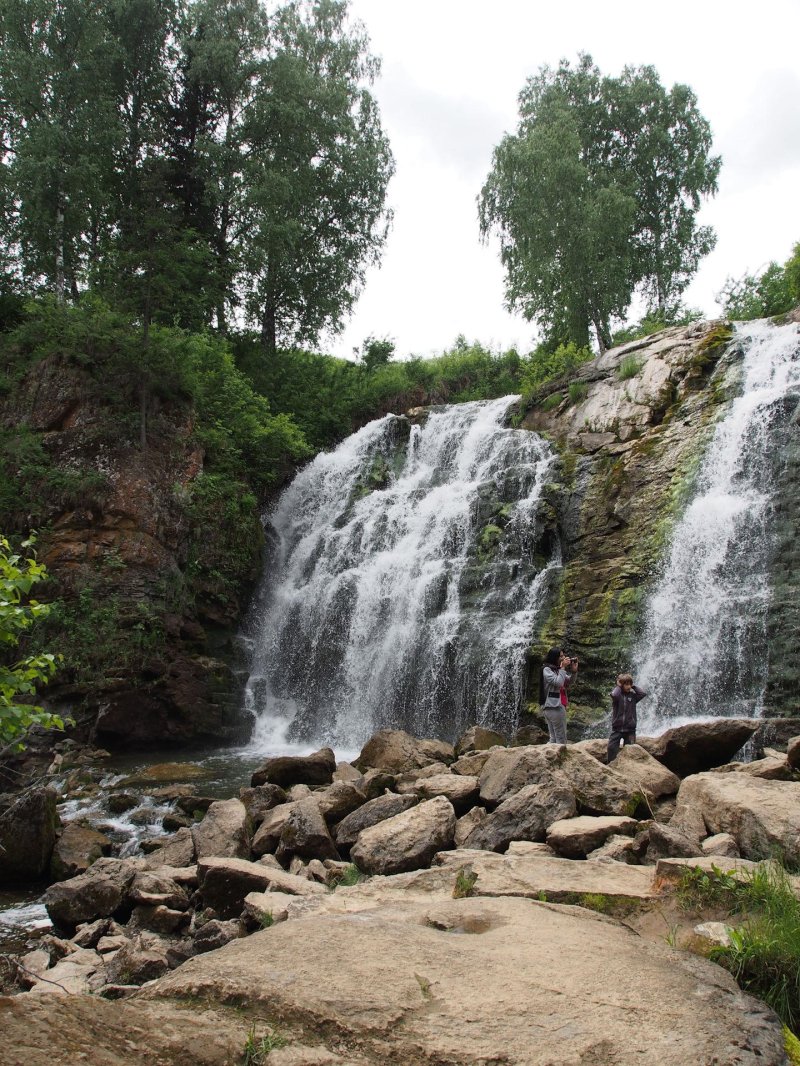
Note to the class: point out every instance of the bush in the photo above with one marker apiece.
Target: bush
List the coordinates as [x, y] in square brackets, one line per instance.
[772, 292]
[628, 368]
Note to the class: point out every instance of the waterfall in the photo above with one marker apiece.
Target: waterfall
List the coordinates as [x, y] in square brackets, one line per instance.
[410, 565]
[704, 650]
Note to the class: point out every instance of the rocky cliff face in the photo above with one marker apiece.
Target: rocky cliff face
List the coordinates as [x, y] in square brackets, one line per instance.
[149, 572]
[629, 444]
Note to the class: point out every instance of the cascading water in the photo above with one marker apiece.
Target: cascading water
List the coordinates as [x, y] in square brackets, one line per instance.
[704, 649]
[410, 567]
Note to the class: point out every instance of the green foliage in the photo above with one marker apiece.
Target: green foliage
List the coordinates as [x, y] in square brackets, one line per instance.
[19, 573]
[547, 363]
[376, 352]
[466, 880]
[654, 322]
[628, 368]
[266, 920]
[258, 1048]
[596, 194]
[792, 1045]
[577, 391]
[772, 292]
[764, 953]
[350, 876]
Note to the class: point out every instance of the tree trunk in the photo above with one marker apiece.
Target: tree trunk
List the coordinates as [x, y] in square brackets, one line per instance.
[269, 338]
[60, 276]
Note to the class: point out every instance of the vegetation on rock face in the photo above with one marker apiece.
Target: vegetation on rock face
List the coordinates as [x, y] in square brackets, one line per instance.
[772, 292]
[597, 194]
[21, 678]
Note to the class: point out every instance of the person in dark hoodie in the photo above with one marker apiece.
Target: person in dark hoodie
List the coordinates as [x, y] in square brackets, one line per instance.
[624, 699]
[557, 673]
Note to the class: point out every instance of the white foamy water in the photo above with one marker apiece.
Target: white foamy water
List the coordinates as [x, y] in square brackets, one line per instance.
[392, 600]
[703, 649]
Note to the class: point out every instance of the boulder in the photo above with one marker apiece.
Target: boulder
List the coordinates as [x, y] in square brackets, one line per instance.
[598, 749]
[402, 987]
[194, 805]
[100, 892]
[467, 823]
[224, 883]
[574, 838]
[134, 964]
[762, 816]
[641, 770]
[338, 800]
[715, 934]
[620, 849]
[507, 770]
[406, 841]
[534, 733]
[666, 842]
[177, 851]
[305, 833]
[287, 770]
[478, 738]
[224, 831]
[404, 782]
[171, 772]
[29, 824]
[470, 765]
[79, 973]
[376, 810]
[257, 801]
[462, 791]
[155, 889]
[774, 767]
[266, 908]
[216, 934]
[525, 815]
[268, 834]
[700, 746]
[76, 849]
[720, 844]
[793, 753]
[346, 772]
[398, 752]
[158, 918]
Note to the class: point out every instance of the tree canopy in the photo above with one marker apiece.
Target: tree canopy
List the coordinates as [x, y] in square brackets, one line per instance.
[192, 159]
[596, 195]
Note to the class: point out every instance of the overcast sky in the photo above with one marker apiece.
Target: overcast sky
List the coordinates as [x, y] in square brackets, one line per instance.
[451, 73]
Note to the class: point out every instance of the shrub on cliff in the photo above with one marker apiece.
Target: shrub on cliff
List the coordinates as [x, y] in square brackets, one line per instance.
[18, 612]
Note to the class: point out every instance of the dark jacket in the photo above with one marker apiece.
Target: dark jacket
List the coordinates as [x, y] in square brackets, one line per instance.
[623, 709]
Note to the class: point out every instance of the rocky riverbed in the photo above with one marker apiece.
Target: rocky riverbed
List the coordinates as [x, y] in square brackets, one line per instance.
[426, 903]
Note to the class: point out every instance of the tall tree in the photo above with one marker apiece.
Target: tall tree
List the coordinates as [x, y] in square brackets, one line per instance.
[318, 166]
[596, 194]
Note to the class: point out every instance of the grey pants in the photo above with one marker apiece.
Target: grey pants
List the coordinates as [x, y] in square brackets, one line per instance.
[616, 738]
[556, 718]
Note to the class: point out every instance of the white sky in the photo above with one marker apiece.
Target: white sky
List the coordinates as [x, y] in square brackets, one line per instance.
[451, 73]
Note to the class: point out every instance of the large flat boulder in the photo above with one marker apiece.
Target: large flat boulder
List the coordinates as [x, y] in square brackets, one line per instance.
[399, 752]
[525, 815]
[574, 838]
[762, 816]
[407, 841]
[287, 770]
[700, 746]
[225, 883]
[377, 810]
[535, 983]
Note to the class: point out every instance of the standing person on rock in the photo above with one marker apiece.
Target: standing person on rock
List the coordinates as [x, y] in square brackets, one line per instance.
[623, 714]
[558, 671]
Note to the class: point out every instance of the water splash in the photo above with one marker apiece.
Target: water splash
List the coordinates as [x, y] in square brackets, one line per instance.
[704, 646]
[410, 568]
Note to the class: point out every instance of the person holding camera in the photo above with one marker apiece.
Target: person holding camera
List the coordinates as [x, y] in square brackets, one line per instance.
[558, 671]
[624, 699]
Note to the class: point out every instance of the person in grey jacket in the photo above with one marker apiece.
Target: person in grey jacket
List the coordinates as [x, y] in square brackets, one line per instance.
[558, 670]
[624, 699]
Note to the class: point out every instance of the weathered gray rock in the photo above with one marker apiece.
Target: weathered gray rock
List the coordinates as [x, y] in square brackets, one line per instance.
[346, 772]
[773, 767]
[305, 833]
[793, 753]
[81, 972]
[404, 782]
[478, 738]
[224, 883]
[376, 782]
[216, 934]
[716, 934]
[153, 889]
[643, 771]
[720, 844]
[406, 841]
[620, 849]
[700, 746]
[224, 831]
[266, 908]
[598, 749]
[462, 791]
[257, 801]
[574, 838]
[287, 770]
[376, 810]
[534, 733]
[665, 842]
[177, 851]
[762, 816]
[134, 964]
[158, 918]
[268, 834]
[470, 765]
[98, 893]
[687, 1009]
[398, 752]
[525, 815]
[338, 800]
[29, 823]
[467, 823]
[77, 847]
